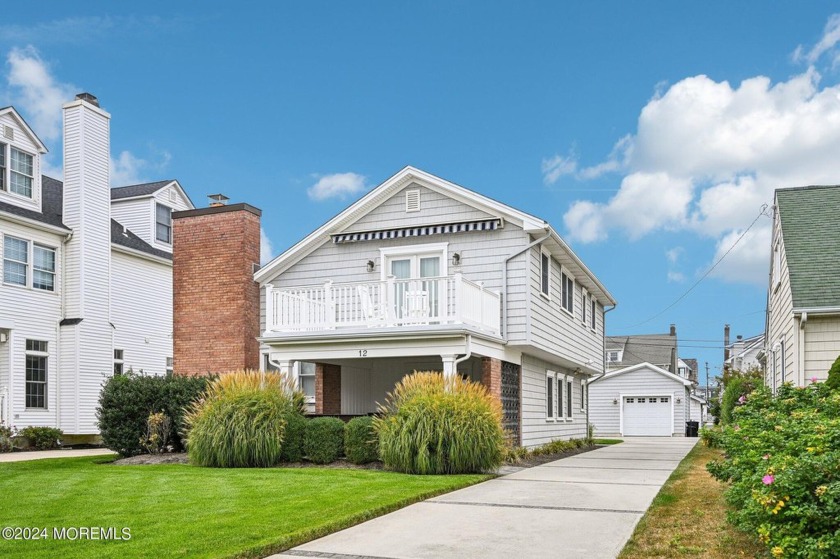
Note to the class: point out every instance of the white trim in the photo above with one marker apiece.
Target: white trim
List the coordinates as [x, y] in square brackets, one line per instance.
[173, 183]
[551, 375]
[411, 251]
[545, 253]
[26, 129]
[35, 223]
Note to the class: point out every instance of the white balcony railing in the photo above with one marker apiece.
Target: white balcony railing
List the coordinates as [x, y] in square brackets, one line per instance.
[383, 304]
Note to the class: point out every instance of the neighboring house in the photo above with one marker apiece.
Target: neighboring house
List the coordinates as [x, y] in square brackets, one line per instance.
[661, 350]
[803, 307]
[83, 294]
[688, 368]
[422, 274]
[744, 354]
[640, 400]
[698, 408]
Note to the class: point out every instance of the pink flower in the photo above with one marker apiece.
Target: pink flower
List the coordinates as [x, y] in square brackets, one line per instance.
[736, 428]
[814, 380]
[768, 479]
[742, 399]
[766, 457]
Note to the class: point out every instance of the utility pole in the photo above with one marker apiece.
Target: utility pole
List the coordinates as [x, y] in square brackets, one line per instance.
[707, 382]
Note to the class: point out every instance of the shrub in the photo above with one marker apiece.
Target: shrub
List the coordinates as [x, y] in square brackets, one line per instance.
[833, 380]
[292, 450]
[127, 401]
[156, 438]
[432, 425]
[361, 444]
[323, 441]
[6, 435]
[781, 458]
[241, 420]
[43, 438]
[712, 437]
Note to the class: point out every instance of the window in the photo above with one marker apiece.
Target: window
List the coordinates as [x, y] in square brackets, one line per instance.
[549, 396]
[15, 261]
[567, 285]
[43, 268]
[306, 375]
[584, 305]
[20, 178]
[629, 400]
[545, 273]
[593, 306]
[16, 264]
[2, 166]
[118, 362]
[163, 224]
[583, 389]
[569, 398]
[36, 374]
[170, 365]
[560, 397]
[641, 400]
[664, 400]
[613, 356]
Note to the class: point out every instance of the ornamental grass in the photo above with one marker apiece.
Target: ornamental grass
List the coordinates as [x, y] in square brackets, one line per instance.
[241, 420]
[432, 425]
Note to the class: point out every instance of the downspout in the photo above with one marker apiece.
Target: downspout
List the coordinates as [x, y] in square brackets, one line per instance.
[58, 364]
[466, 355]
[537, 242]
[799, 348]
[603, 361]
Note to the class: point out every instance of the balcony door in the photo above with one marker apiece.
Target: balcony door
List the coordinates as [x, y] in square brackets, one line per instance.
[419, 281]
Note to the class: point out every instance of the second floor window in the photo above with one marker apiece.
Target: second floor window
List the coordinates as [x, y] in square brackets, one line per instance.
[21, 176]
[567, 284]
[545, 273]
[16, 260]
[2, 166]
[43, 268]
[163, 224]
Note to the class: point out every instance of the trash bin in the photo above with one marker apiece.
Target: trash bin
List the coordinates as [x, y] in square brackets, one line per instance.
[691, 428]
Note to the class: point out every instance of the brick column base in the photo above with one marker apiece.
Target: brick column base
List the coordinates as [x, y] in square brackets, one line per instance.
[328, 389]
[491, 376]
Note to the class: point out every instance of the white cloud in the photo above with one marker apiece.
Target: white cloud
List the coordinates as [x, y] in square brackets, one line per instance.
[675, 277]
[749, 261]
[706, 155]
[266, 249]
[830, 38]
[127, 168]
[338, 185]
[36, 93]
[674, 254]
[557, 166]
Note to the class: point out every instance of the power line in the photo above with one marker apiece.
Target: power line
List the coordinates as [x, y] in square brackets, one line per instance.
[709, 271]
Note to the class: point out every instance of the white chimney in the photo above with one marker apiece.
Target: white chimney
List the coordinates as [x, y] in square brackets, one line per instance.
[86, 331]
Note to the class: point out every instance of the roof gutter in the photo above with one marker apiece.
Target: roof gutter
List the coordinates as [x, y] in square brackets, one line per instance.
[805, 311]
[37, 224]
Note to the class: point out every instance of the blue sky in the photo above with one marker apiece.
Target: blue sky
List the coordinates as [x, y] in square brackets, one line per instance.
[649, 134]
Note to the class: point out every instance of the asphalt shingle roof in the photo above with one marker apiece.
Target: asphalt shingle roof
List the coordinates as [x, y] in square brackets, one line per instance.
[52, 192]
[811, 234]
[124, 237]
[644, 348]
[133, 190]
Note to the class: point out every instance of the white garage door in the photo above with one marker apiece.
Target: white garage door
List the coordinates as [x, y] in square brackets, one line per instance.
[647, 415]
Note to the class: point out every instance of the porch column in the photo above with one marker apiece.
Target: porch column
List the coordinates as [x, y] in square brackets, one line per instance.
[327, 389]
[491, 376]
[448, 366]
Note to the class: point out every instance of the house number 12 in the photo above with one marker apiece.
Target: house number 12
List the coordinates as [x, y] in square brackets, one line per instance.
[362, 353]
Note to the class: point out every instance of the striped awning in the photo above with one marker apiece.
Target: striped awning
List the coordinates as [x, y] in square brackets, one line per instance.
[444, 229]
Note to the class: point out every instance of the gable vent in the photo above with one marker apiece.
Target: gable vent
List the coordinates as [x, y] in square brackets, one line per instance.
[172, 196]
[8, 132]
[412, 200]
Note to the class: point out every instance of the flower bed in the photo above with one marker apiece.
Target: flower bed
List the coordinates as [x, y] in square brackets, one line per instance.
[782, 458]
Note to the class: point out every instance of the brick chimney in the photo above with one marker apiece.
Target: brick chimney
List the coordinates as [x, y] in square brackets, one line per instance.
[216, 301]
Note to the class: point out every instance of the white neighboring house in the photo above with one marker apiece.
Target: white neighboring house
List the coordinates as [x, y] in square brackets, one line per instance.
[698, 409]
[745, 353]
[83, 294]
[803, 302]
[641, 400]
[423, 274]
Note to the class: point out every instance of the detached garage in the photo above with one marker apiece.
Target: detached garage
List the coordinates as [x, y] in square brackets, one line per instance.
[642, 400]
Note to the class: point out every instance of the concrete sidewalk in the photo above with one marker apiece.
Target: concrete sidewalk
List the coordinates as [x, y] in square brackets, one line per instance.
[43, 454]
[583, 506]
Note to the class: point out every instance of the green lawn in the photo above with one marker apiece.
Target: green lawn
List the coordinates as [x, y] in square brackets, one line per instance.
[185, 511]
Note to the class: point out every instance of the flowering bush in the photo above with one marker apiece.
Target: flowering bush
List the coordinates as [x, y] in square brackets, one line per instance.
[782, 457]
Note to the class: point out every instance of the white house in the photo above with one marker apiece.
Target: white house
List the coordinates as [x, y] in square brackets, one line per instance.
[745, 353]
[641, 399]
[803, 302]
[87, 275]
[423, 274]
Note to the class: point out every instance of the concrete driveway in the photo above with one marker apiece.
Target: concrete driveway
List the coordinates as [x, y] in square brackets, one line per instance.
[584, 506]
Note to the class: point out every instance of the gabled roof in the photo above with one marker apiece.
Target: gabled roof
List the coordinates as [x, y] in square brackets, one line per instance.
[146, 189]
[811, 234]
[646, 366]
[643, 348]
[22, 123]
[51, 205]
[125, 238]
[391, 186]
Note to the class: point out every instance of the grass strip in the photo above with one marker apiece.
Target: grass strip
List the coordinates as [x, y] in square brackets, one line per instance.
[688, 518]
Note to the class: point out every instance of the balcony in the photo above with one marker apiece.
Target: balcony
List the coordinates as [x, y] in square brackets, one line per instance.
[392, 303]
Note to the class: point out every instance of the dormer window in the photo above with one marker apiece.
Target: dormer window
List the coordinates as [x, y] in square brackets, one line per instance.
[21, 172]
[163, 224]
